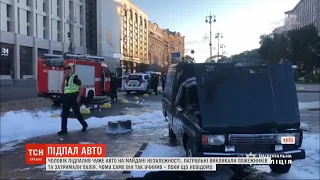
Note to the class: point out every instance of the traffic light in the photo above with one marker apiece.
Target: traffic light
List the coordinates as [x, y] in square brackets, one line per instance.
[69, 34]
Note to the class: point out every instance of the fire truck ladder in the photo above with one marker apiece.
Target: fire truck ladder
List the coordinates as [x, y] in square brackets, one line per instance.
[76, 57]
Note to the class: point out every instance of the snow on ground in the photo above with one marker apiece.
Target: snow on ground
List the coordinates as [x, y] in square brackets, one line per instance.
[24, 125]
[301, 169]
[309, 105]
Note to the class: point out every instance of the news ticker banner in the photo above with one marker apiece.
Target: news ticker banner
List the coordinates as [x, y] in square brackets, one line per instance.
[92, 157]
[147, 163]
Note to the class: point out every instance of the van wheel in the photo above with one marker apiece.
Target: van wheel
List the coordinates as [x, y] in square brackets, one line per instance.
[128, 92]
[190, 152]
[171, 133]
[280, 169]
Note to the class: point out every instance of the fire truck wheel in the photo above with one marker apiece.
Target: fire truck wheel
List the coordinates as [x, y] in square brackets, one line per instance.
[57, 102]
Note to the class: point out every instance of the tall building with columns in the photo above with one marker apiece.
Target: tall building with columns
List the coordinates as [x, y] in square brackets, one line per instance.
[162, 43]
[134, 37]
[306, 12]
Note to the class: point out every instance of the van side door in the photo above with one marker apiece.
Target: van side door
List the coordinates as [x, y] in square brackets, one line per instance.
[178, 112]
[168, 99]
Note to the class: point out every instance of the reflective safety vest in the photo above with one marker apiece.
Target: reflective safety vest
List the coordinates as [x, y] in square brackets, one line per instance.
[71, 88]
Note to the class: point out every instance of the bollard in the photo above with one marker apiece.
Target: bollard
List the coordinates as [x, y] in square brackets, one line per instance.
[126, 124]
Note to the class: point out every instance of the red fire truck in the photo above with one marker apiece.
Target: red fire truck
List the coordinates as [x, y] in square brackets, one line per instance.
[93, 72]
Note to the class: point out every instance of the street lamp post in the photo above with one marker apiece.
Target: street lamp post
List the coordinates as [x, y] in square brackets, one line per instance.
[245, 58]
[218, 36]
[222, 46]
[70, 22]
[210, 20]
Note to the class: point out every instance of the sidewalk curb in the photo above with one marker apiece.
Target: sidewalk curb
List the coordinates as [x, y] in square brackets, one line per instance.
[23, 104]
[300, 91]
[313, 109]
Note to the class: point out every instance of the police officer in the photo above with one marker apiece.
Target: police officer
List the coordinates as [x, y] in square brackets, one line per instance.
[71, 86]
[155, 83]
[163, 80]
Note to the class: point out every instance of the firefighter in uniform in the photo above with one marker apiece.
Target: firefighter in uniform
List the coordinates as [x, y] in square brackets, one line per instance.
[71, 86]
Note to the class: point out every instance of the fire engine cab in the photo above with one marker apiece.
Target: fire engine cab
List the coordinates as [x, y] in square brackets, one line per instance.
[92, 71]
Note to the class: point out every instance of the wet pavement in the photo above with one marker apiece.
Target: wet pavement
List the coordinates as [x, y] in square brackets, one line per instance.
[13, 161]
[309, 87]
[124, 145]
[310, 121]
[121, 145]
[308, 96]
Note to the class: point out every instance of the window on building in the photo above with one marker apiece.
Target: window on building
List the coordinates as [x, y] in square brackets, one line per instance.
[70, 7]
[42, 52]
[58, 11]
[18, 14]
[80, 14]
[9, 7]
[81, 37]
[140, 21]
[7, 62]
[8, 26]
[44, 21]
[131, 15]
[58, 25]
[26, 61]
[44, 8]
[136, 18]
[28, 3]
[125, 13]
[44, 34]
[28, 30]
[28, 16]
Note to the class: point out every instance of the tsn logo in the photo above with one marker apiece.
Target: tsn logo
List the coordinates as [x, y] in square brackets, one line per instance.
[35, 154]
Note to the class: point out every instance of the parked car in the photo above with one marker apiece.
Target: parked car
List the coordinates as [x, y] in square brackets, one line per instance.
[138, 82]
[220, 110]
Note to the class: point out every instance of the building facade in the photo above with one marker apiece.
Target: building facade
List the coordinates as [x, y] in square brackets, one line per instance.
[162, 43]
[306, 12]
[108, 31]
[32, 28]
[134, 37]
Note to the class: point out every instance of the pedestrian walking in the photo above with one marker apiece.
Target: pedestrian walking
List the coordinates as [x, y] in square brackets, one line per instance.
[156, 83]
[72, 88]
[114, 88]
[163, 80]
